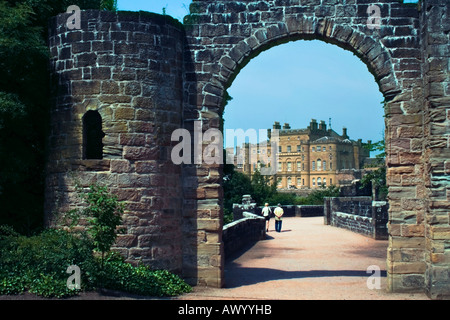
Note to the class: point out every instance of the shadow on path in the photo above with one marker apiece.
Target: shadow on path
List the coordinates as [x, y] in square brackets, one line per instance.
[239, 276]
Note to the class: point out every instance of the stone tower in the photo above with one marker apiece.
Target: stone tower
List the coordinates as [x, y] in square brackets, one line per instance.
[126, 71]
[124, 82]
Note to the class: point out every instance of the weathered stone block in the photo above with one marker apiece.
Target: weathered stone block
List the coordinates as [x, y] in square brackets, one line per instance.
[120, 166]
[440, 232]
[109, 87]
[132, 139]
[407, 267]
[101, 73]
[147, 167]
[123, 113]
[85, 87]
[125, 240]
[140, 153]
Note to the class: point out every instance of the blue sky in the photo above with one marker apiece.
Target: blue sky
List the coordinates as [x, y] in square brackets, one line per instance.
[294, 83]
[175, 8]
[303, 80]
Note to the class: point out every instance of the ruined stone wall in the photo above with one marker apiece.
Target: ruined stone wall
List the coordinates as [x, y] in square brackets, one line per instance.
[354, 223]
[358, 214]
[147, 76]
[435, 29]
[128, 67]
[243, 232]
[309, 211]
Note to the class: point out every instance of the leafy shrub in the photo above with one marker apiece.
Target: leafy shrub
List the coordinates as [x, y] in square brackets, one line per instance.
[119, 275]
[38, 264]
[7, 231]
[104, 215]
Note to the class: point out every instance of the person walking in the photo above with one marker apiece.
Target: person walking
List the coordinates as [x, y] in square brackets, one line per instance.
[266, 212]
[278, 217]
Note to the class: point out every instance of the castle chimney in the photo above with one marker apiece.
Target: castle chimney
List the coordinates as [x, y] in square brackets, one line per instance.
[322, 126]
[344, 133]
[286, 126]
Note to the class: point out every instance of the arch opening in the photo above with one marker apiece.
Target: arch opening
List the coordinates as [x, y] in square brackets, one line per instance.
[322, 164]
[92, 135]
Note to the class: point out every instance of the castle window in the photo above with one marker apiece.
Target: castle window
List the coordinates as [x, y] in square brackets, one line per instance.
[288, 149]
[313, 181]
[324, 182]
[313, 166]
[313, 149]
[324, 165]
[92, 135]
[319, 181]
[289, 166]
[319, 165]
[298, 148]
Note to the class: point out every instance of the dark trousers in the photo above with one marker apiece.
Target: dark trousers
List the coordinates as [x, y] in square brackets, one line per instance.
[278, 224]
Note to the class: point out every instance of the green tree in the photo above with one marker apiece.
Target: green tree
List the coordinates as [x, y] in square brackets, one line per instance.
[24, 106]
[283, 198]
[23, 115]
[377, 177]
[318, 195]
[110, 5]
[262, 188]
[235, 185]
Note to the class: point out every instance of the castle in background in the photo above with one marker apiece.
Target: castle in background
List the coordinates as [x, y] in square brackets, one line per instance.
[307, 158]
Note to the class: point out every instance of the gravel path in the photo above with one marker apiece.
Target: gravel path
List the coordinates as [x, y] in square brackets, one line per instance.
[307, 260]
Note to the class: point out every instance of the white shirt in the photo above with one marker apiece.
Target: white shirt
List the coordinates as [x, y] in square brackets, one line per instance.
[266, 211]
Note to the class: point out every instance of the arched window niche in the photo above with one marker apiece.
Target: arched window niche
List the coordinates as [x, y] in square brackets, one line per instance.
[92, 135]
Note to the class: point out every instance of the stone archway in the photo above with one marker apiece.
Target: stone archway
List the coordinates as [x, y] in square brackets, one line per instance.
[148, 75]
[231, 33]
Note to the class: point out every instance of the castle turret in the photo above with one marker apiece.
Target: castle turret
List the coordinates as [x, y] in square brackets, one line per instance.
[109, 125]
